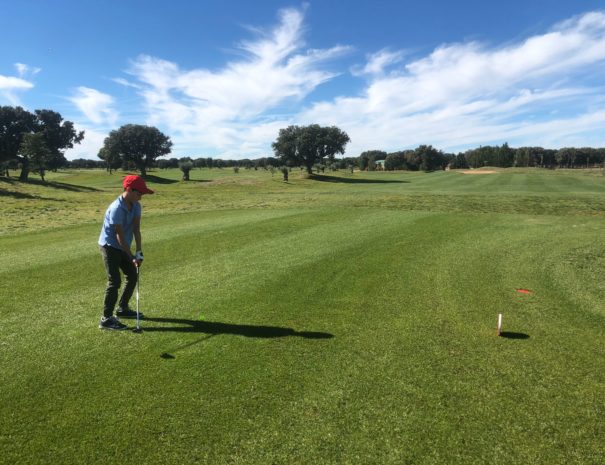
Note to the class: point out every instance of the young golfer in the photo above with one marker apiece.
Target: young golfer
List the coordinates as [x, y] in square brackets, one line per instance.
[122, 222]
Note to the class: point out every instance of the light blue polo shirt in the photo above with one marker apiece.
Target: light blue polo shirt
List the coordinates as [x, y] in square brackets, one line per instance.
[118, 213]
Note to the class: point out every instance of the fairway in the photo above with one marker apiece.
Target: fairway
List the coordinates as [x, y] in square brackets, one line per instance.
[345, 319]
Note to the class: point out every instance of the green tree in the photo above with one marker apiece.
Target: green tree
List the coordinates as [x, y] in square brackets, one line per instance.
[395, 161]
[309, 145]
[566, 157]
[459, 161]
[431, 159]
[35, 153]
[111, 158]
[505, 156]
[138, 145]
[367, 159]
[522, 157]
[57, 134]
[413, 159]
[482, 156]
[14, 123]
[185, 165]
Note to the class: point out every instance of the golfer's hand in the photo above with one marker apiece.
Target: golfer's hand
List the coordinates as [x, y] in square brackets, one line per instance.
[138, 258]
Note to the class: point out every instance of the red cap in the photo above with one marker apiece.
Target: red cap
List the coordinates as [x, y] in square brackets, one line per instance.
[137, 183]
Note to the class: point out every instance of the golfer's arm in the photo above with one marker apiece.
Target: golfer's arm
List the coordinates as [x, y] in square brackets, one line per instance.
[136, 229]
[122, 240]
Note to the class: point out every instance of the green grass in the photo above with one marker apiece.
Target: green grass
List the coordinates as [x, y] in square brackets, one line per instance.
[348, 320]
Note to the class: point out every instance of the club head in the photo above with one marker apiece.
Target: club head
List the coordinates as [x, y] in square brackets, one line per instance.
[137, 330]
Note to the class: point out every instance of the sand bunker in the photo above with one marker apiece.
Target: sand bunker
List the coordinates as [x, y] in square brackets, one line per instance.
[478, 172]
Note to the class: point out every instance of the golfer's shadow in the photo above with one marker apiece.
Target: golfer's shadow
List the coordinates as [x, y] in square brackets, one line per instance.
[212, 328]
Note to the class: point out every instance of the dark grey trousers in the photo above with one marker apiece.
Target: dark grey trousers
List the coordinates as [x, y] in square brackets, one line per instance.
[114, 261]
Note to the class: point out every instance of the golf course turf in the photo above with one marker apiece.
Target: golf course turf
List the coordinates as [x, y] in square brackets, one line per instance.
[342, 319]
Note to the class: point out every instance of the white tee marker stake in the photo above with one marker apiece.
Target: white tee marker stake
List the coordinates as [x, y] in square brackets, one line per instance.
[499, 324]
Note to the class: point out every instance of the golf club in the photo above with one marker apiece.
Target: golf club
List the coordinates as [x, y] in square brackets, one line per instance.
[138, 327]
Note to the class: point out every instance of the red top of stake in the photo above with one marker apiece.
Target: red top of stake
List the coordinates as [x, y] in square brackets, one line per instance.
[524, 291]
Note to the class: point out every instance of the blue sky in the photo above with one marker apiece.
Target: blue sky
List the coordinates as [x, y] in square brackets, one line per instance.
[222, 77]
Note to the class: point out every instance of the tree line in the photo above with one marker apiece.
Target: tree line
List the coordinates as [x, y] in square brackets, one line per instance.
[423, 158]
[427, 158]
[37, 141]
[34, 141]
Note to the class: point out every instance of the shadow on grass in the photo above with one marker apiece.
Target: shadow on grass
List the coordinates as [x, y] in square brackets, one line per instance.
[211, 329]
[510, 335]
[53, 184]
[214, 328]
[69, 187]
[322, 178]
[23, 195]
[19, 195]
[158, 180]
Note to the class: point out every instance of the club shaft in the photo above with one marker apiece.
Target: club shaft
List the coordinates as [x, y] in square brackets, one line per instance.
[138, 281]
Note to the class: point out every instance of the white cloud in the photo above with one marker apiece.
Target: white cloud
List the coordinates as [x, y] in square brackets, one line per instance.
[90, 146]
[469, 94]
[96, 106]
[24, 70]
[543, 90]
[216, 107]
[9, 85]
[378, 62]
[125, 83]
[14, 83]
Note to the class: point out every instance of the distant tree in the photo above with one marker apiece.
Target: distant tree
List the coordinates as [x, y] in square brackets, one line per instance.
[139, 145]
[549, 158]
[522, 157]
[57, 134]
[85, 163]
[481, 156]
[395, 161]
[35, 153]
[185, 165]
[367, 159]
[431, 159]
[308, 145]
[14, 123]
[448, 159]
[505, 156]
[344, 162]
[413, 159]
[110, 158]
[459, 162]
[566, 157]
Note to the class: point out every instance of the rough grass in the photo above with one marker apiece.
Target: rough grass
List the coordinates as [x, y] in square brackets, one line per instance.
[344, 319]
